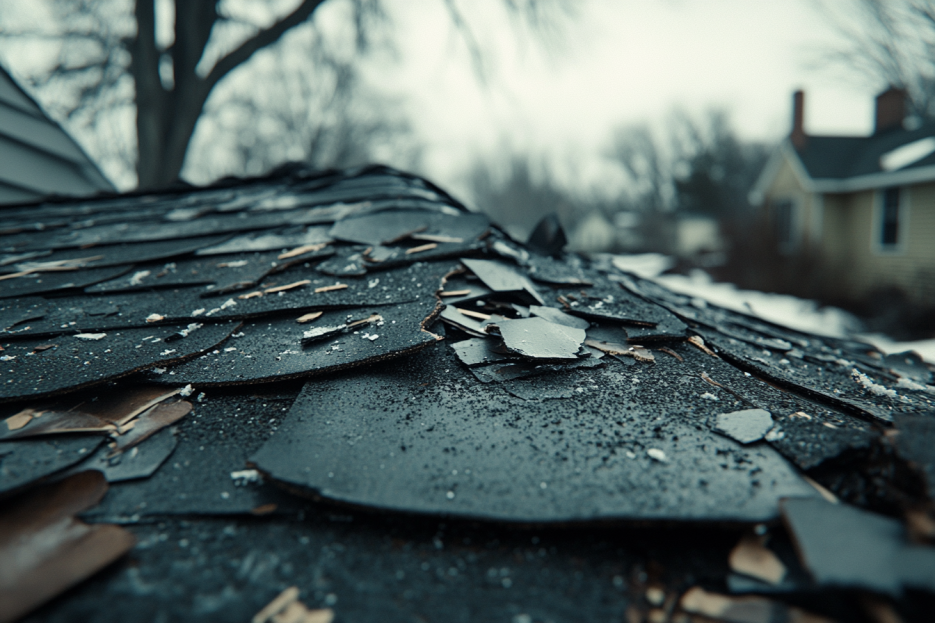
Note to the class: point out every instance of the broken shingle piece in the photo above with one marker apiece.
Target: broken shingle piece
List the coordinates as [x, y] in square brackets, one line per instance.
[45, 550]
[456, 317]
[504, 279]
[29, 460]
[558, 317]
[150, 422]
[745, 426]
[499, 372]
[847, 547]
[537, 338]
[479, 352]
[140, 461]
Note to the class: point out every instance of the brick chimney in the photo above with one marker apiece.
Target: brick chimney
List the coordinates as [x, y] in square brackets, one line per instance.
[890, 110]
[799, 139]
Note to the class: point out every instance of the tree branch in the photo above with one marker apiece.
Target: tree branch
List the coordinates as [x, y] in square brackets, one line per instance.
[258, 42]
[470, 40]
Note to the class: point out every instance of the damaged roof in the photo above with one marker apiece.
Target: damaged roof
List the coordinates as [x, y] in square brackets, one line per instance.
[344, 396]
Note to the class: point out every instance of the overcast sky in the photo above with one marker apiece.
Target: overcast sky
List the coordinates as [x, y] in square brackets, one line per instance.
[621, 62]
[618, 62]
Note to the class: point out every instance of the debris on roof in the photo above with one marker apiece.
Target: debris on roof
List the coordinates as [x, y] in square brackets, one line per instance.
[349, 384]
[46, 550]
[745, 426]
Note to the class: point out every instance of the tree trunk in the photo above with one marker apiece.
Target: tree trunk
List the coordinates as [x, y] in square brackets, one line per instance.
[166, 118]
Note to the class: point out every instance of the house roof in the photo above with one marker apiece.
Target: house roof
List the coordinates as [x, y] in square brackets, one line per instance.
[851, 163]
[37, 157]
[347, 382]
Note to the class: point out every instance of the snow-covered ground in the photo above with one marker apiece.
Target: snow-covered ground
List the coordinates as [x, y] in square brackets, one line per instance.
[790, 311]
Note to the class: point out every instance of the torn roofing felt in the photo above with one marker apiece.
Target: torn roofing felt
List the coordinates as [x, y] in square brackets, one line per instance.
[360, 338]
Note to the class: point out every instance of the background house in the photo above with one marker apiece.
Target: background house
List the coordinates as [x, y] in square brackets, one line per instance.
[37, 157]
[863, 207]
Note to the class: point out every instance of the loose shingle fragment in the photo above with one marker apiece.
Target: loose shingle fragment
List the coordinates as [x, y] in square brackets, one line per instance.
[455, 317]
[45, 550]
[847, 547]
[504, 279]
[25, 461]
[478, 352]
[140, 461]
[745, 426]
[510, 370]
[540, 339]
[149, 423]
[915, 442]
[558, 317]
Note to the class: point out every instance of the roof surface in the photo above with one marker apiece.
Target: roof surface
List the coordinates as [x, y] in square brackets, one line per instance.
[348, 383]
[842, 157]
[37, 157]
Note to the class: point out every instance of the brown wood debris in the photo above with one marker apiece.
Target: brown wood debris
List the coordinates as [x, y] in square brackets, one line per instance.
[421, 248]
[751, 557]
[44, 550]
[473, 314]
[337, 286]
[286, 608]
[305, 248]
[309, 317]
[288, 286]
[110, 413]
[697, 342]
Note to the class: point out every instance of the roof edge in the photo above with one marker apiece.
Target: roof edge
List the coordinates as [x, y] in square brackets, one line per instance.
[785, 151]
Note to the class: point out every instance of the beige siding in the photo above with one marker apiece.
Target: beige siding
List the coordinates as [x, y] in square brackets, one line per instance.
[843, 229]
[850, 247]
[809, 212]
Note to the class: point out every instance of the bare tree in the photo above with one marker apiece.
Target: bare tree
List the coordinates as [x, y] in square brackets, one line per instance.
[313, 108]
[891, 42]
[117, 60]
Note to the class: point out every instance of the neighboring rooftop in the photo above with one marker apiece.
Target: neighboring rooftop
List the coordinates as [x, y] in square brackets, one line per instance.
[347, 382]
[37, 157]
[900, 151]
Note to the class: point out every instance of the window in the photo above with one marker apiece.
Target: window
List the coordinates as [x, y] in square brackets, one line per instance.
[889, 218]
[889, 224]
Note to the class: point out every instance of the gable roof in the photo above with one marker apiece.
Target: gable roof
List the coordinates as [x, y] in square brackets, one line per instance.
[293, 378]
[37, 157]
[833, 164]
